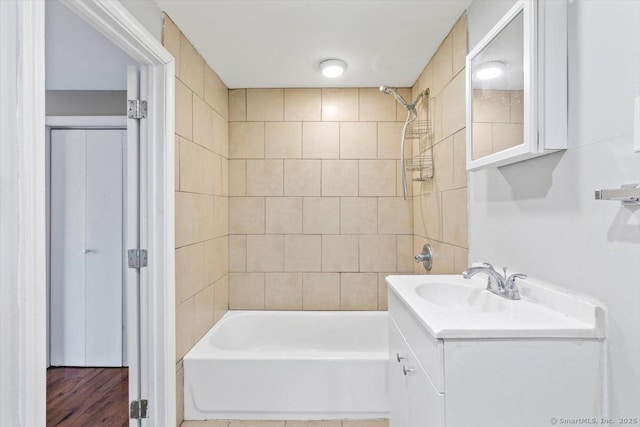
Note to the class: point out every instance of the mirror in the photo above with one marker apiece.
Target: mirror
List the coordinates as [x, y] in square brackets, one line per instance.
[516, 95]
[497, 82]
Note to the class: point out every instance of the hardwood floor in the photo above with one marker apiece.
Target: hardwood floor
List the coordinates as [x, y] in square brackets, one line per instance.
[87, 397]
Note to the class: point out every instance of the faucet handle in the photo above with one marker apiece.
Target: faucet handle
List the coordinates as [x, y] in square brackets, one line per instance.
[510, 286]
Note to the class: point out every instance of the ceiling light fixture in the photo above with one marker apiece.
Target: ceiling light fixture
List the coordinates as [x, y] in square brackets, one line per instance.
[333, 68]
[490, 70]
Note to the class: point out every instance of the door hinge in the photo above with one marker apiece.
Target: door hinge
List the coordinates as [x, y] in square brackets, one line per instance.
[138, 409]
[137, 258]
[137, 109]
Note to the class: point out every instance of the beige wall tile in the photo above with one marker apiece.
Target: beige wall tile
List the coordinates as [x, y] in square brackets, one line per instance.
[302, 253]
[321, 215]
[340, 105]
[216, 253]
[425, 81]
[238, 253]
[377, 177]
[482, 140]
[237, 105]
[184, 110]
[443, 164]
[378, 253]
[237, 177]
[383, 300]
[454, 217]
[359, 215]
[191, 67]
[507, 135]
[321, 291]
[444, 261]
[265, 178]
[365, 423]
[196, 174]
[453, 106]
[491, 106]
[339, 178]
[246, 215]
[246, 140]
[358, 291]
[185, 204]
[460, 259]
[284, 215]
[220, 298]
[442, 66]
[202, 123]
[459, 44]
[203, 312]
[389, 140]
[358, 140]
[302, 104]
[220, 135]
[171, 40]
[418, 220]
[339, 253]
[335, 423]
[283, 291]
[460, 159]
[320, 140]
[431, 214]
[176, 163]
[184, 327]
[302, 177]
[246, 291]
[395, 215]
[190, 271]
[283, 140]
[265, 253]
[220, 214]
[376, 106]
[180, 395]
[265, 105]
[216, 93]
[405, 261]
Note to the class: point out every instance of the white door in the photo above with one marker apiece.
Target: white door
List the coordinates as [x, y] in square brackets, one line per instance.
[87, 247]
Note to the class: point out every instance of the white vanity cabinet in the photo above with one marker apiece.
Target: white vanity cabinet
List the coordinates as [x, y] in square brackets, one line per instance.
[481, 378]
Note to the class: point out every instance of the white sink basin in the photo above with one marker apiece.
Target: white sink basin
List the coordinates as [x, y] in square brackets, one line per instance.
[459, 297]
[453, 307]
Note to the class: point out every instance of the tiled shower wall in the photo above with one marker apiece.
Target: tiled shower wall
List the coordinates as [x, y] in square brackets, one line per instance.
[201, 182]
[316, 217]
[440, 206]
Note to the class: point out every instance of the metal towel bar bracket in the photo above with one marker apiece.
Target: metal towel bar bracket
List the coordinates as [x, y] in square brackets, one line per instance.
[628, 194]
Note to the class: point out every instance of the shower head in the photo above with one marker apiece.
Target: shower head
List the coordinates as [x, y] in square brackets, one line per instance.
[401, 100]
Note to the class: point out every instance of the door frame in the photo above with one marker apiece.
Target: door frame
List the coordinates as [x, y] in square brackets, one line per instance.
[118, 25]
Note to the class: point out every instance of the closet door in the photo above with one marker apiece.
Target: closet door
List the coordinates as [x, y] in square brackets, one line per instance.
[68, 188]
[104, 247]
[86, 247]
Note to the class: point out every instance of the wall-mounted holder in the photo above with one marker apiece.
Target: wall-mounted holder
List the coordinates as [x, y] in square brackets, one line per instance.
[425, 257]
[628, 194]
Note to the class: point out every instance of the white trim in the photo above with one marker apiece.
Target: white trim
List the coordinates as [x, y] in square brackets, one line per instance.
[86, 122]
[118, 25]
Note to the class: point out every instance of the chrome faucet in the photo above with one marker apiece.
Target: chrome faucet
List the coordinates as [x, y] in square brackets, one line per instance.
[497, 283]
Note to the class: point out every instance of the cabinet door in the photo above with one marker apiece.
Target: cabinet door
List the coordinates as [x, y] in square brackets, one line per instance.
[398, 398]
[425, 404]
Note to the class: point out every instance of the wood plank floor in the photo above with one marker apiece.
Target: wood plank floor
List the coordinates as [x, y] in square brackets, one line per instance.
[87, 397]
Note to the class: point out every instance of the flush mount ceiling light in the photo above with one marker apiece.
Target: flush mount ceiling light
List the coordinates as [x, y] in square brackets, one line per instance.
[333, 68]
[490, 70]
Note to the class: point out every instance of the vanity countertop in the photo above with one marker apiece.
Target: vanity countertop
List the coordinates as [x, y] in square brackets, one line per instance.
[451, 307]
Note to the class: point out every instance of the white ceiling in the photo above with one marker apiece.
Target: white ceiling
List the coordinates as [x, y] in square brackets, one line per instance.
[252, 43]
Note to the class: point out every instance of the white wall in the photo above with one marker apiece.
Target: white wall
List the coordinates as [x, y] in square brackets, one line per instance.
[77, 57]
[540, 216]
[149, 15]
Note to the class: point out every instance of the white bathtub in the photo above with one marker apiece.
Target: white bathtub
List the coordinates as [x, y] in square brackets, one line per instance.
[296, 365]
